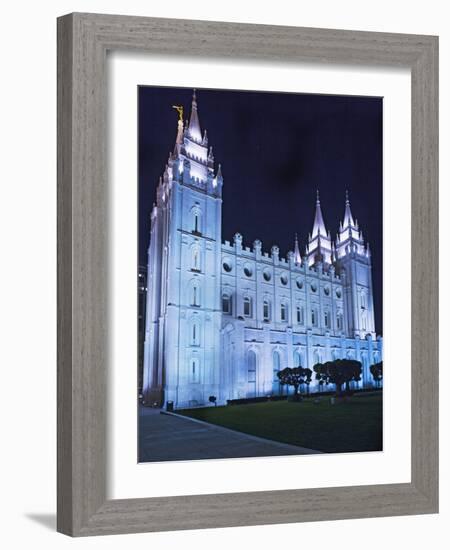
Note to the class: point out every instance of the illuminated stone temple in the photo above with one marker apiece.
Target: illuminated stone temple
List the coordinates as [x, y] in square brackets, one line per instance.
[223, 318]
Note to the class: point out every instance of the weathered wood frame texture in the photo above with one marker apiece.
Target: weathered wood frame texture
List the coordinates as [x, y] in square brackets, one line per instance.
[83, 41]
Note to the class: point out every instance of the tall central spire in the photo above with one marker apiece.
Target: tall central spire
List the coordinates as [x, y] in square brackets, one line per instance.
[319, 224]
[192, 163]
[194, 122]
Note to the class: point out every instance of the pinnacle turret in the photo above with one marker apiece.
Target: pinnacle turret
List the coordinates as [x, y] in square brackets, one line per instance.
[348, 218]
[349, 237]
[319, 224]
[297, 255]
[319, 245]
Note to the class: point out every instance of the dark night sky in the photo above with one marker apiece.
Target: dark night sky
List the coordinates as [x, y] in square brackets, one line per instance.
[276, 150]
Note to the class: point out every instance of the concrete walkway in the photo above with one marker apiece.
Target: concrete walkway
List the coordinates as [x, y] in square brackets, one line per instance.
[173, 437]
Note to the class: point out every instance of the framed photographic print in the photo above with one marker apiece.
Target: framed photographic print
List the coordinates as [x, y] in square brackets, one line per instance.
[223, 325]
[273, 191]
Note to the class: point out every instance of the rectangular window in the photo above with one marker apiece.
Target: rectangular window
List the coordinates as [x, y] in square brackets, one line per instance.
[300, 320]
[266, 311]
[195, 335]
[226, 304]
[283, 312]
[195, 370]
[195, 301]
[313, 317]
[247, 307]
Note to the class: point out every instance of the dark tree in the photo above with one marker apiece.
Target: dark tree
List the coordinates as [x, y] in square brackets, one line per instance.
[339, 372]
[295, 377]
[213, 399]
[377, 372]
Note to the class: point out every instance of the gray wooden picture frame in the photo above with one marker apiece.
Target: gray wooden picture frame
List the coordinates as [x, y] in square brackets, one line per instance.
[83, 41]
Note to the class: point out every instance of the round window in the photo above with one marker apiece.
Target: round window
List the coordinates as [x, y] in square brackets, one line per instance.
[313, 287]
[248, 271]
[299, 284]
[338, 293]
[227, 266]
[327, 290]
[284, 279]
[267, 275]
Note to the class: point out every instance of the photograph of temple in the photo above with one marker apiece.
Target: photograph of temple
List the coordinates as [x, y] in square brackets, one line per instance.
[223, 318]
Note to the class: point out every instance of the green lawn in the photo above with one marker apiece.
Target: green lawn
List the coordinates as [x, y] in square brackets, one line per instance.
[350, 426]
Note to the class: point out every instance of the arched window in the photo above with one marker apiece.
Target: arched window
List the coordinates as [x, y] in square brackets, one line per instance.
[326, 318]
[251, 374]
[297, 359]
[276, 365]
[247, 306]
[276, 370]
[195, 259]
[195, 334]
[317, 357]
[363, 300]
[195, 294]
[251, 366]
[339, 320]
[266, 310]
[284, 312]
[226, 303]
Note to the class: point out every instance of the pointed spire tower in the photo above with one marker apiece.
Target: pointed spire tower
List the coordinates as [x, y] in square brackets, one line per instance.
[193, 162]
[350, 238]
[319, 245]
[187, 212]
[353, 264]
